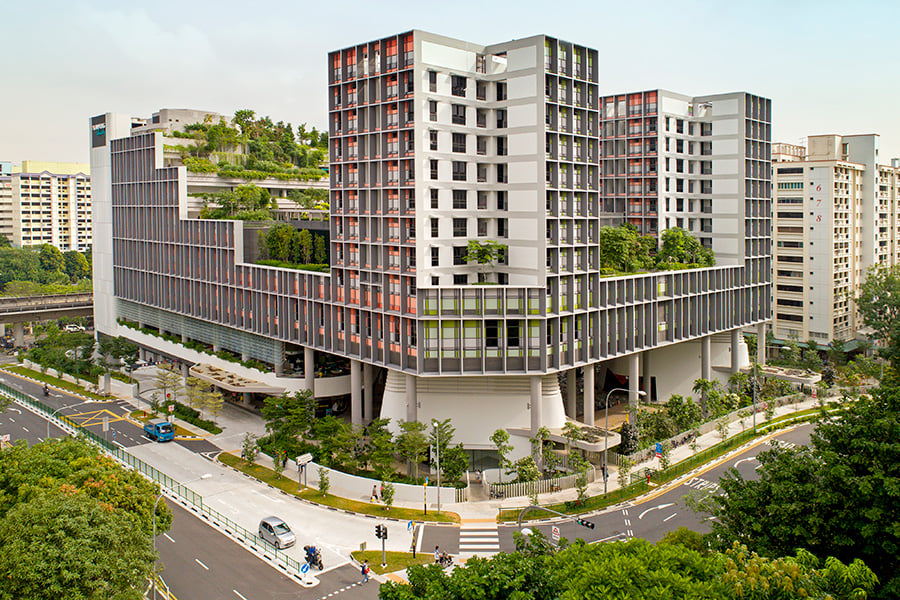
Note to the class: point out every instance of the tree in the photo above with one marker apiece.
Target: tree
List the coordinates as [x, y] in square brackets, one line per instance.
[572, 433]
[722, 427]
[665, 455]
[387, 494]
[879, 304]
[411, 444]
[526, 469]
[679, 248]
[249, 447]
[324, 481]
[684, 412]
[52, 259]
[624, 471]
[541, 451]
[213, 401]
[195, 389]
[836, 498]
[4, 242]
[76, 266]
[629, 437]
[454, 462]
[168, 385]
[486, 253]
[65, 544]
[306, 246]
[320, 251]
[622, 250]
[290, 416]
[705, 388]
[500, 439]
[580, 467]
[439, 439]
[381, 448]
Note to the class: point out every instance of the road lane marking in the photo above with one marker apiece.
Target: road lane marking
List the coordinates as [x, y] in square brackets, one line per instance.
[669, 517]
[201, 564]
[11, 420]
[641, 516]
[240, 595]
[14, 409]
[169, 538]
[743, 460]
[25, 428]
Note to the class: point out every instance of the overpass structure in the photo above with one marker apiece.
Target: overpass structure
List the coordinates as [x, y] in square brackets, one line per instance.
[18, 310]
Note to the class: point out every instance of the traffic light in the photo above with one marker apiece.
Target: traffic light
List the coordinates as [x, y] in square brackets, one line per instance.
[381, 532]
[585, 523]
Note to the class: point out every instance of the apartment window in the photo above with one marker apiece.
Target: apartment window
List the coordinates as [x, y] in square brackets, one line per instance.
[459, 255]
[458, 114]
[434, 168]
[679, 126]
[705, 129]
[501, 118]
[501, 90]
[434, 228]
[480, 90]
[435, 257]
[482, 227]
[433, 138]
[460, 199]
[459, 170]
[460, 279]
[501, 228]
[459, 142]
[434, 198]
[501, 174]
[512, 334]
[492, 333]
[432, 110]
[482, 200]
[481, 118]
[432, 81]
[460, 228]
[458, 86]
[501, 200]
[502, 146]
[435, 280]
[503, 278]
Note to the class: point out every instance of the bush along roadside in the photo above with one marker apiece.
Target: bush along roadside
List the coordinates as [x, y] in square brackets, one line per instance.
[192, 416]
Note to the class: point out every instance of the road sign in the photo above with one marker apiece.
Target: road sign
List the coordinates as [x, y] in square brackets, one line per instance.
[304, 568]
[5, 438]
[554, 533]
[105, 423]
[304, 458]
[409, 526]
[171, 408]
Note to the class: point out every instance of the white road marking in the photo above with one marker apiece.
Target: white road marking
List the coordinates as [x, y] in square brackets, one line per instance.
[641, 516]
[743, 460]
[14, 409]
[669, 517]
[11, 420]
[168, 537]
[25, 428]
[698, 483]
[240, 595]
[201, 564]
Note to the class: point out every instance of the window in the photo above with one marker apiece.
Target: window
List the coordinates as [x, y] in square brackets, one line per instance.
[434, 168]
[460, 228]
[459, 170]
[501, 200]
[480, 90]
[458, 85]
[460, 279]
[433, 138]
[435, 280]
[512, 334]
[459, 255]
[434, 228]
[460, 199]
[502, 146]
[501, 118]
[482, 200]
[459, 142]
[503, 278]
[435, 257]
[501, 174]
[432, 110]
[501, 228]
[434, 198]
[501, 90]
[482, 227]
[432, 81]
[458, 114]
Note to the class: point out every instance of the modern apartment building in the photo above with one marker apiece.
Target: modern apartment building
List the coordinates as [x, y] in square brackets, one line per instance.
[47, 203]
[436, 142]
[836, 216]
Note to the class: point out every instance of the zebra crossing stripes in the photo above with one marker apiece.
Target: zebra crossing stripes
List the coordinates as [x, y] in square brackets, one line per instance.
[477, 537]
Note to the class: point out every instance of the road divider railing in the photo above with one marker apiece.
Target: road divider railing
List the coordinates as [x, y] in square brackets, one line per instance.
[177, 491]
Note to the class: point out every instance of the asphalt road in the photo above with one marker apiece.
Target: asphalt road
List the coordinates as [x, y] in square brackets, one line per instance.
[650, 519]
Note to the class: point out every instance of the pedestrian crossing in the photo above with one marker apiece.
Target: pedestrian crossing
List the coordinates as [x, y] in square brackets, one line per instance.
[479, 536]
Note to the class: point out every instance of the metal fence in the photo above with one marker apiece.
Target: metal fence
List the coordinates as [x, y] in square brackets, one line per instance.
[181, 493]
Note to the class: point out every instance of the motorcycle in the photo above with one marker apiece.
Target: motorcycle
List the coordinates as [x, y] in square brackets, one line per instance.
[313, 557]
[46, 390]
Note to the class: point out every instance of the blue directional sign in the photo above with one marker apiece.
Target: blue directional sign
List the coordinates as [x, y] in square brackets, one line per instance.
[304, 568]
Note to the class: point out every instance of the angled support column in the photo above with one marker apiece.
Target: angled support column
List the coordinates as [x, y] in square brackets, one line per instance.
[536, 396]
[761, 344]
[735, 346]
[571, 389]
[648, 378]
[589, 395]
[355, 392]
[368, 385]
[412, 407]
[633, 380]
[309, 370]
[705, 366]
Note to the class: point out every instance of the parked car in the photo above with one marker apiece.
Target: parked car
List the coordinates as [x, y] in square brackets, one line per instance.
[159, 430]
[73, 328]
[276, 532]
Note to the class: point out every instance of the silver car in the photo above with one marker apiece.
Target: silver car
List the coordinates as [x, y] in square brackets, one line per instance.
[276, 532]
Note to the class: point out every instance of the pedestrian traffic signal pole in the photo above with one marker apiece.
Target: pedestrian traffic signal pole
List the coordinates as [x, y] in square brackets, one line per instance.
[381, 533]
[582, 522]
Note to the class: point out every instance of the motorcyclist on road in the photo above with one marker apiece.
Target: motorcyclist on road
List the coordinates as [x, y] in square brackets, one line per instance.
[46, 390]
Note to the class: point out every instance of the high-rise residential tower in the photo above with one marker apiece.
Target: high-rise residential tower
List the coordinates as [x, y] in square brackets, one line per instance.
[436, 143]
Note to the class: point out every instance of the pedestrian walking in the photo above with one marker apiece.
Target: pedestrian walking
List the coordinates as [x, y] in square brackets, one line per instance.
[364, 569]
[375, 493]
[437, 554]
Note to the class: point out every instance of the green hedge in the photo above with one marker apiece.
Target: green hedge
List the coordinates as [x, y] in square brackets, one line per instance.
[188, 414]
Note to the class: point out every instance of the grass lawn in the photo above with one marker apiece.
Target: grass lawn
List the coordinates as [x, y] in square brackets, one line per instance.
[396, 561]
[143, 416]
[55, 382]
[289, 485]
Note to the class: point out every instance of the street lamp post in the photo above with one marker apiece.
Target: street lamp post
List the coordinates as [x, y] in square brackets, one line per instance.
[50, 418]
[606, 435]
[437, 443]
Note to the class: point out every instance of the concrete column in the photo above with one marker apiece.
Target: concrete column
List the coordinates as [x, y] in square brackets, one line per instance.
[19, 334]
[244, 357]
[369, 385]
[735, 346]
[761, 344]
[183, 339]
[2, 329]
[648, 377]
[705, 368]
[633, 380]
[246, 399]
[309, 369]
[185, 370]
[537, 393]
[589, 395]
[412, 406]
[571, 389]
[356, 416]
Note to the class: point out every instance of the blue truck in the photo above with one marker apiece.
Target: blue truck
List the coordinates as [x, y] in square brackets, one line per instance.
[159, 430]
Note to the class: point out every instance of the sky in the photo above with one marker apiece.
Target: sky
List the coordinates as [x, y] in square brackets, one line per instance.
[828, 66]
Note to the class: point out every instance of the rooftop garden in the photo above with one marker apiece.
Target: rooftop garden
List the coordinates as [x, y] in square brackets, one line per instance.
[623, 251]
[253, 148]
